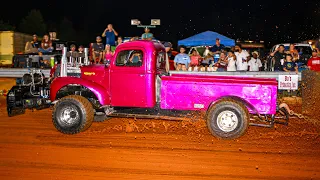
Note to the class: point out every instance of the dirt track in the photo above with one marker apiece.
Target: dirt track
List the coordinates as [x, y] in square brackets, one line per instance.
[30, 148]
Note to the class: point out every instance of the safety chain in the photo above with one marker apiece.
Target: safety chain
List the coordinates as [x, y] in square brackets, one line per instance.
[300, 116]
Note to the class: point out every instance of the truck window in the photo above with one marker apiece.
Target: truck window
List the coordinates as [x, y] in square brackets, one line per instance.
[131, 58]
[161, 61]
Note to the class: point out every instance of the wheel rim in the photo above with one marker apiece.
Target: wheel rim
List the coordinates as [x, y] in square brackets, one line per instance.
[69, 116]
[227, 121]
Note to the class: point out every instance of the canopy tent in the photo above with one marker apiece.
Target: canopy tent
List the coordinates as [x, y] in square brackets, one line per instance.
[207, 38]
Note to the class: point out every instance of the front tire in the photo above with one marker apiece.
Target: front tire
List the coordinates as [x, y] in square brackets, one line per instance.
[228, 119]
[72, 114]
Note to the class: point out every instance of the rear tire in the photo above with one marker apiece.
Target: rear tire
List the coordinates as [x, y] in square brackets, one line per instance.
[228, 119]
[72, 114]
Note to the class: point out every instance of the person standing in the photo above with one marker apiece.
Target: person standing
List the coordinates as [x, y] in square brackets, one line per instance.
[110, 35]
[242, 58]
[279, 57]
[147, 35]
[218, 47]
[232, 59]
[314, 61]
[255, 63]
[168, 47]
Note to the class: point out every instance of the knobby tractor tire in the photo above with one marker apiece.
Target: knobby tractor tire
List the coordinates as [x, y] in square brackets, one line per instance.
[236, 108]
[81, 106]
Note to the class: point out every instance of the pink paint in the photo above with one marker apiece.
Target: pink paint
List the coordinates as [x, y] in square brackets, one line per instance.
[123, 86]
[189, 92]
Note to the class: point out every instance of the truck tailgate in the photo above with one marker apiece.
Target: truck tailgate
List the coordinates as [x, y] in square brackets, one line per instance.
[197, 92]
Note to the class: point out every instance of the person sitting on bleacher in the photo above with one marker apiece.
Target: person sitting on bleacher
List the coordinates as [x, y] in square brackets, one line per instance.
[81, 55]
[72, 55]
[46, 45]
[97, 50]
[32, 46]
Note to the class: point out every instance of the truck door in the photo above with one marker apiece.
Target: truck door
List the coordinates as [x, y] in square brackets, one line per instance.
[128, 78]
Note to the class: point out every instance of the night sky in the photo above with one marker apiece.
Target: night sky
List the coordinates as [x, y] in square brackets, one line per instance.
[271, 21]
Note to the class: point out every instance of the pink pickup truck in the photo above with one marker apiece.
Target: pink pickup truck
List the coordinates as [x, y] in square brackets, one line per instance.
[135, 84]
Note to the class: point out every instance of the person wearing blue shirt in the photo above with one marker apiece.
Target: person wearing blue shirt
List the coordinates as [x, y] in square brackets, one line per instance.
[218, 47]
[181, 59]
[110, 35]
[147, 35]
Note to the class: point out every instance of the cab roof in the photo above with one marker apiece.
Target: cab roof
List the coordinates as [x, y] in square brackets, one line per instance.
[147, 44]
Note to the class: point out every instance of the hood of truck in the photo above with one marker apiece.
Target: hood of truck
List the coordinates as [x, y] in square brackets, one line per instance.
[94, 73]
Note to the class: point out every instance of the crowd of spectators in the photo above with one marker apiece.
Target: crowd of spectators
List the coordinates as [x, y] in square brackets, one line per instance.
[218, 58]
[215, 58]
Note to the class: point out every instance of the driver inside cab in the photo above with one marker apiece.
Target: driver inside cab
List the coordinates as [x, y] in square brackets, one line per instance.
[135, 59]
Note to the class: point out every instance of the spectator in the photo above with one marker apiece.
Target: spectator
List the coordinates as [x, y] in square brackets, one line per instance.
[81, 54]
[147, 35]
[46, 45]
[72, 54]
[110, 35]
[222, 63]
[255, 63]
[181, 59]
[134, 38]
[242, 58]
[73, 48]
[108, 53]
[32, 46]
[314, 61]
[195, 58]
[289, 65]
[168, 47]
[97, 49]
[206, 51]
[279, 56]
[119, 41]
[183, 67]
[81, 49]
[207, 60]
[217, 48]
[294, 52]
[232, 59]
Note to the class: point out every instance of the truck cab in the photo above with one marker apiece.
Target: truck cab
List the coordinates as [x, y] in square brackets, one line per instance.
[128, 80]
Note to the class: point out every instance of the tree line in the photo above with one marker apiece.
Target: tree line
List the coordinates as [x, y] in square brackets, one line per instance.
[34, 23]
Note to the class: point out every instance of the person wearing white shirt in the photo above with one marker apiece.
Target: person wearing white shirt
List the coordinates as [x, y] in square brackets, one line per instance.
[255, 63]
[242, 58]
[232, 59]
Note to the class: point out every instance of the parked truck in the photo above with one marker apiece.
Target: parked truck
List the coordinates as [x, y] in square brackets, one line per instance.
[136, 84]
[11, 43]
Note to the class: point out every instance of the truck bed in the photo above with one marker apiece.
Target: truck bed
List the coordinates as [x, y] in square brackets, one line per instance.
[198, 92]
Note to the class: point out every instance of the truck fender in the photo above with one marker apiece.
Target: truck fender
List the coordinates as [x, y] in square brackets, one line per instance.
[239, 99]
[100, 92]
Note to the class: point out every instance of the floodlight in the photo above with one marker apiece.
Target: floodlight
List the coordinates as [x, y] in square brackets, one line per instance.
[135, 22]
[155, 22]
